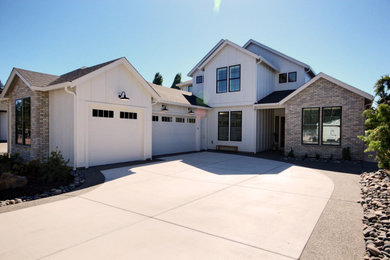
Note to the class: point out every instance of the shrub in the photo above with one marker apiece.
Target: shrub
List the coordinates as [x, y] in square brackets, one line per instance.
[11, 163]
[306, 156]
[32, 170]
[346, 154]
[56, 168]
[331, 157]
[291, 153]
[317, 156]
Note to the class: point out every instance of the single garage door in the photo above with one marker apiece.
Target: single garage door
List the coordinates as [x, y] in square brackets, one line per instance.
[115, 135]
[173, 134]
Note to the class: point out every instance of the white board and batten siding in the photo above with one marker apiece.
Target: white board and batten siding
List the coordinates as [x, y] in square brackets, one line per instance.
[103, 140]
[174, 137]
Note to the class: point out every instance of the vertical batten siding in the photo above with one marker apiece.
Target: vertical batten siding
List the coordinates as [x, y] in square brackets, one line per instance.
[264, 135]
[265, 81]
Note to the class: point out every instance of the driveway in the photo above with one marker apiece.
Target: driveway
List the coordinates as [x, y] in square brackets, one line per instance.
[193, 206]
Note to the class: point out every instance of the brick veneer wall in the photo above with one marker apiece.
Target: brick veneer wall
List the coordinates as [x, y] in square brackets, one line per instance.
[39, 148]
[324, 93]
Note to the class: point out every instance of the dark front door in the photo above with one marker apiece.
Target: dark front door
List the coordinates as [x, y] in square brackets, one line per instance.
[282, 121]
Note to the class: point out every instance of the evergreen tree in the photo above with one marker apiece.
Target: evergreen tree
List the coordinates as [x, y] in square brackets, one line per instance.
[1, 86]
[176, 81]
[382, 90]
[158, 79]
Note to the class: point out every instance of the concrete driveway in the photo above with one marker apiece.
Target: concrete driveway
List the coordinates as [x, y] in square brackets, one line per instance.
[193, 206]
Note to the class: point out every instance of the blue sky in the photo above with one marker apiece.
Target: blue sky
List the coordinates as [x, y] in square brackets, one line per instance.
[347, 39]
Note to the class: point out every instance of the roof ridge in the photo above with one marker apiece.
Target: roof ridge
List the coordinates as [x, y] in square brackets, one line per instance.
[16, 68]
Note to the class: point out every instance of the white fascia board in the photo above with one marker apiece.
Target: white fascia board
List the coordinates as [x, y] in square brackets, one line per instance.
[243, 104]
[183, 105]
[268, 106]
[331, 79]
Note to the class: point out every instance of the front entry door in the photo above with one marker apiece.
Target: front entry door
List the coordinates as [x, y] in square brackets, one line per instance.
[282, 128]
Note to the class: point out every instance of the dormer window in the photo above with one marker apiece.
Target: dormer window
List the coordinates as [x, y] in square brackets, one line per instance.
[290, 77]
[282, 77]
[199, 79]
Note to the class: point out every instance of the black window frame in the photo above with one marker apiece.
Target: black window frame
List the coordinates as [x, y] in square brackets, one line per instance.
[154, 117]
[128, 115]
[23, 121]
[282, 82]
[104, 113]
[319, 126]
[322, 125]
[239, 77]
[218, 80]
[230, 126]
[292, 73]
[199, 79]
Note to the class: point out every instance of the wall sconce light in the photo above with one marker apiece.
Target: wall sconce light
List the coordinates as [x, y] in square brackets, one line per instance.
[190, 112]
[164, 108]
[122, 95]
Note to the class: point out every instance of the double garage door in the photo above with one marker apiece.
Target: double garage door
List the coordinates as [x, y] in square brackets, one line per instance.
[115, 135]
[173, 134]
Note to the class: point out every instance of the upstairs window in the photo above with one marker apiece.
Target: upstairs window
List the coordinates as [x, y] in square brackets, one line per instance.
[282, 77]
[23, 121]
[292, 76]
[199, 79]
[331, 125]
[310, 125]
[234, 78]
[222, 80]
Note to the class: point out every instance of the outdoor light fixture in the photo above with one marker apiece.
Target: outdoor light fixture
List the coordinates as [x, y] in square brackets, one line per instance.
[190, 112]
[164, 108]
[122, 95]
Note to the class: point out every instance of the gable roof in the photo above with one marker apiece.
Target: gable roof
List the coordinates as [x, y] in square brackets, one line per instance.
[178, 97]
[307, 67]
[322, 75]
[220, 45]
[275, 97]
[45, 82]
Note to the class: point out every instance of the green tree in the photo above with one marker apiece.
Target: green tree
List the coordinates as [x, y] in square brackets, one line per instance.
[158, 79]
[377, 135]
[382, 89]
[176, 81]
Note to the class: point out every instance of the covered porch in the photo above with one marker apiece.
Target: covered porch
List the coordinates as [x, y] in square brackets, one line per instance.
[270, 134]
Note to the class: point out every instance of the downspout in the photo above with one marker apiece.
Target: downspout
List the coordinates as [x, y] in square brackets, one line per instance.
[74, 127]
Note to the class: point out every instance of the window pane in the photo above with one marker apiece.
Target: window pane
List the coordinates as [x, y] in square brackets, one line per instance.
[27, 121]
[331, 135]
[100, 113]
[331, 125]
[283, 78]
[234, 84]
[292, 76]
[19, 121]
[111, 114]
[235, 125]
[199, 79]
[105, 113]
[310, 134]
[222, 74]
[234, 72]
[310, 125]
[94, 112]
[223, 126]
[222, 86]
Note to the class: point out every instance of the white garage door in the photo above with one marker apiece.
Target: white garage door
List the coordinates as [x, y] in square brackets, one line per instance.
[172, 135]
[115, 135]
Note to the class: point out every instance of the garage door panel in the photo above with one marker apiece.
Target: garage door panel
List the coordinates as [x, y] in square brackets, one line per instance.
[112, 140]
[172, 137]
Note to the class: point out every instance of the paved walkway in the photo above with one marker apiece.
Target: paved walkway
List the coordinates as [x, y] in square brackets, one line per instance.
[194, 206]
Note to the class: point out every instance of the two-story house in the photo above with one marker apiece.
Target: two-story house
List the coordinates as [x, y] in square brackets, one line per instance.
[263, 99]
[249, 98]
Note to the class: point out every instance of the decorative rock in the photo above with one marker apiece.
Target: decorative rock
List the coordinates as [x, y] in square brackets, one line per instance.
[373, 250]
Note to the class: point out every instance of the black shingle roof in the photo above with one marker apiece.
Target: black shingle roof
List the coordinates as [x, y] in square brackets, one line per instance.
[275, 96]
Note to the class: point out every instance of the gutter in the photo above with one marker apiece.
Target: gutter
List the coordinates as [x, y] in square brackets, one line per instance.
[74, 126]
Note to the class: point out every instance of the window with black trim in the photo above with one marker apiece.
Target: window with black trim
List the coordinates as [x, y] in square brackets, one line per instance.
[223, 126]
[180, 120]
[222, 80]
[235, 125]
[128, 115]
[331, 125]
[199, 79]
[155, 118]
[292, 76]
[310, 125]
[191, 120]
[102, 113]
[23, 121]
[282, 77]
[234, 78]
[166, 119]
